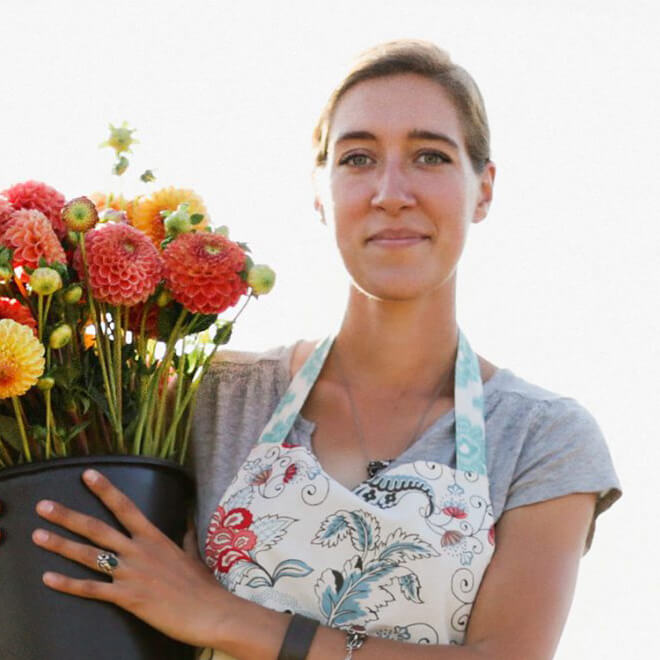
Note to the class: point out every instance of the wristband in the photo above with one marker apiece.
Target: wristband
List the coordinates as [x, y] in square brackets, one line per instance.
[356, 636]
[298, 638]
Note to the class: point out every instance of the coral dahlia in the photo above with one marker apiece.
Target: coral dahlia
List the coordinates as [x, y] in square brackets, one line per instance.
[124, 266]
[6, 212]
[21, 358]
[203, 272]
[31, 236]
[147, 217]
[10, 308]
[39, 196]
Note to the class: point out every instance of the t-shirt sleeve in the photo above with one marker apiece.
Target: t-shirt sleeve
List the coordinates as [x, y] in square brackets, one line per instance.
[565, 452]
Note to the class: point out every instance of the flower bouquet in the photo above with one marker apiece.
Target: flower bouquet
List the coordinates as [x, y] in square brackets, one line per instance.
[109, 320]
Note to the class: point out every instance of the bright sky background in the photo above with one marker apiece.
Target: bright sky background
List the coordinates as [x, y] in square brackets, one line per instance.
[559, 284]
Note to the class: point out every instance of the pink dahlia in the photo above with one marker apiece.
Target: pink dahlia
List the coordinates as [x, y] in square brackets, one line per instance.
[39, 196]
[31, 237]
[10, 308]
[124, 265]
[6, 211]
[203, 272]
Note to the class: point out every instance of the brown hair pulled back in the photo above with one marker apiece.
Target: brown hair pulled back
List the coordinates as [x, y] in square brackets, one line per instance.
[424, 59]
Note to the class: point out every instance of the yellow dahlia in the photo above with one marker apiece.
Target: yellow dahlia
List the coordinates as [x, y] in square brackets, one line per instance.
[147, 217]
[112, 201]
[21, 359]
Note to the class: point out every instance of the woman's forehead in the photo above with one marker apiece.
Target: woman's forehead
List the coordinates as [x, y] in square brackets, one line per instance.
[395, 105]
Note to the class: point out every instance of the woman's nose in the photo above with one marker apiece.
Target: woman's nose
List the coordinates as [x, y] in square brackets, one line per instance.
[393, 191]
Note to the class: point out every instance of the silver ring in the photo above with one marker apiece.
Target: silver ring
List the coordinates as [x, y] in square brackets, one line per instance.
[107, 562]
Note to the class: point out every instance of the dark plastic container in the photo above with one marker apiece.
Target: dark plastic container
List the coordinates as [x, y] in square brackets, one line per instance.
[37, 623]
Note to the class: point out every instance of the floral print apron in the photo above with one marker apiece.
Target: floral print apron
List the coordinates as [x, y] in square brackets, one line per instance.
[403, 553]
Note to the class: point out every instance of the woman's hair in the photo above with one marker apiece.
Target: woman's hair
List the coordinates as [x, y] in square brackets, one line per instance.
[424, 59]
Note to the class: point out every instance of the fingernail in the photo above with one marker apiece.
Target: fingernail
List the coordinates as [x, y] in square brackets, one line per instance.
[48, 578]
[45, 506]
[40, 535]
[91, 476]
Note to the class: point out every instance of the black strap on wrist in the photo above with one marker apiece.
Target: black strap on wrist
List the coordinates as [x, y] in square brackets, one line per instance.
[298, 638]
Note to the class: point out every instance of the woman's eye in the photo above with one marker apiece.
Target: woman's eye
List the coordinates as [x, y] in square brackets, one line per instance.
[356, 160]
[433, 158]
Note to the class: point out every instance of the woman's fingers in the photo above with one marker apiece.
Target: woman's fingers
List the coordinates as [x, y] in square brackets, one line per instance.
[78, 552]
[83, 588]
[123, 508]
[91, 528]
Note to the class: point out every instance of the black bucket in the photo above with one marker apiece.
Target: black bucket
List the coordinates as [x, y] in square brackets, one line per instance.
[37, 623]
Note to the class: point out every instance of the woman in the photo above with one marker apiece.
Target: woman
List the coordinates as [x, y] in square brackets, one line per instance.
[396, 455]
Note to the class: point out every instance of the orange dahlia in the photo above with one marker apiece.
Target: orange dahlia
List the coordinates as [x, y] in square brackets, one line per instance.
[203, 272]
[6, 211]
[124, 266]
[21, 358]
[147, 217]
[10, 308]
[31, 236]
[114, 202]
[39, 196]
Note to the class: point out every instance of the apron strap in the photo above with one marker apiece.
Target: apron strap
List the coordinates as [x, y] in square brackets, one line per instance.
[468, 404]
[469, 410]
[287, 410]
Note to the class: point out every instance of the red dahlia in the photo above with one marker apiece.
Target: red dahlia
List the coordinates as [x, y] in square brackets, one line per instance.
[10, 308]
[31, 237]
[39, 196]
[203, 272]
[124, 265]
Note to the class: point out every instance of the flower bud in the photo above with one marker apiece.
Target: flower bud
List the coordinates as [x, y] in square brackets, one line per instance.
[73, 294]
[80, 214]
[45, 281]
[113, 215]
[60, 336]
[261, 279]
[6, 273]
[46, 383]
[164, 298]
[178, 222]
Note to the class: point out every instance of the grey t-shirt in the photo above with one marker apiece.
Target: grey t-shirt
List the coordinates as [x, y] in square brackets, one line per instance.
[540, 445]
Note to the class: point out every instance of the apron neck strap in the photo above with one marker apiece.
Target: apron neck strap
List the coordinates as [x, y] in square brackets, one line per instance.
[468, 404]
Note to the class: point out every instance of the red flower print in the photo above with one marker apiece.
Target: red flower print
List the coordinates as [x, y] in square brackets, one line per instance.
[450, 538]
[290, 473]
[491, 535]
[454, 512]
[262, 477]
[228, 539]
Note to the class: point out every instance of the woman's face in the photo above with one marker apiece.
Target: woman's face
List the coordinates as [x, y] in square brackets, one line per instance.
[398, 186]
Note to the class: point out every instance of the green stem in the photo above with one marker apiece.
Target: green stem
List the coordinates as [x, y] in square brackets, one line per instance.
[119, 337]
[18, 411]
[40, 316]
[49, 422]
[5, 458]
[164, 368]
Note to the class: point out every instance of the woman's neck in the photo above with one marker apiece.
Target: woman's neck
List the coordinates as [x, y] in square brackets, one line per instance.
[400, 345]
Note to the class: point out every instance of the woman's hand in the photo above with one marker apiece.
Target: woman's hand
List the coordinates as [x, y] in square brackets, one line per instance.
[169, 588]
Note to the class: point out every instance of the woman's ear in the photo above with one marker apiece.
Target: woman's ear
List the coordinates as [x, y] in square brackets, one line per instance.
[319, 208]
[316, 183]
[486, 183]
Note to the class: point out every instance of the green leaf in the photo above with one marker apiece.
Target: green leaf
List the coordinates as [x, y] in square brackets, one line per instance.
[75, 430]
[196, 218]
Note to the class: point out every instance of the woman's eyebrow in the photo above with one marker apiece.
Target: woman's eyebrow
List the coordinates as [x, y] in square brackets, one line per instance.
[415, 134]
[421, 134]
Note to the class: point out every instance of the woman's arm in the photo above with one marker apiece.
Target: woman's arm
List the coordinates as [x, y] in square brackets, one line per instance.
[519, 613]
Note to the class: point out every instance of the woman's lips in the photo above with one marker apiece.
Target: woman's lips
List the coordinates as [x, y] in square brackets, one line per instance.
[396, 239]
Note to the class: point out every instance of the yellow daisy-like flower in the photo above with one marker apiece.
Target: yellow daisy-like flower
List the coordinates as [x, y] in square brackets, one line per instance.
[21, 359]
[111, 201]
[146, 213]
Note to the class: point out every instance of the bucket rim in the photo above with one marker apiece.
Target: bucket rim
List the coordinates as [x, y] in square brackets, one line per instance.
[89, 461]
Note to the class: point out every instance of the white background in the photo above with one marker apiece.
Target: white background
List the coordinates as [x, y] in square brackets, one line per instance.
[560, 283]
